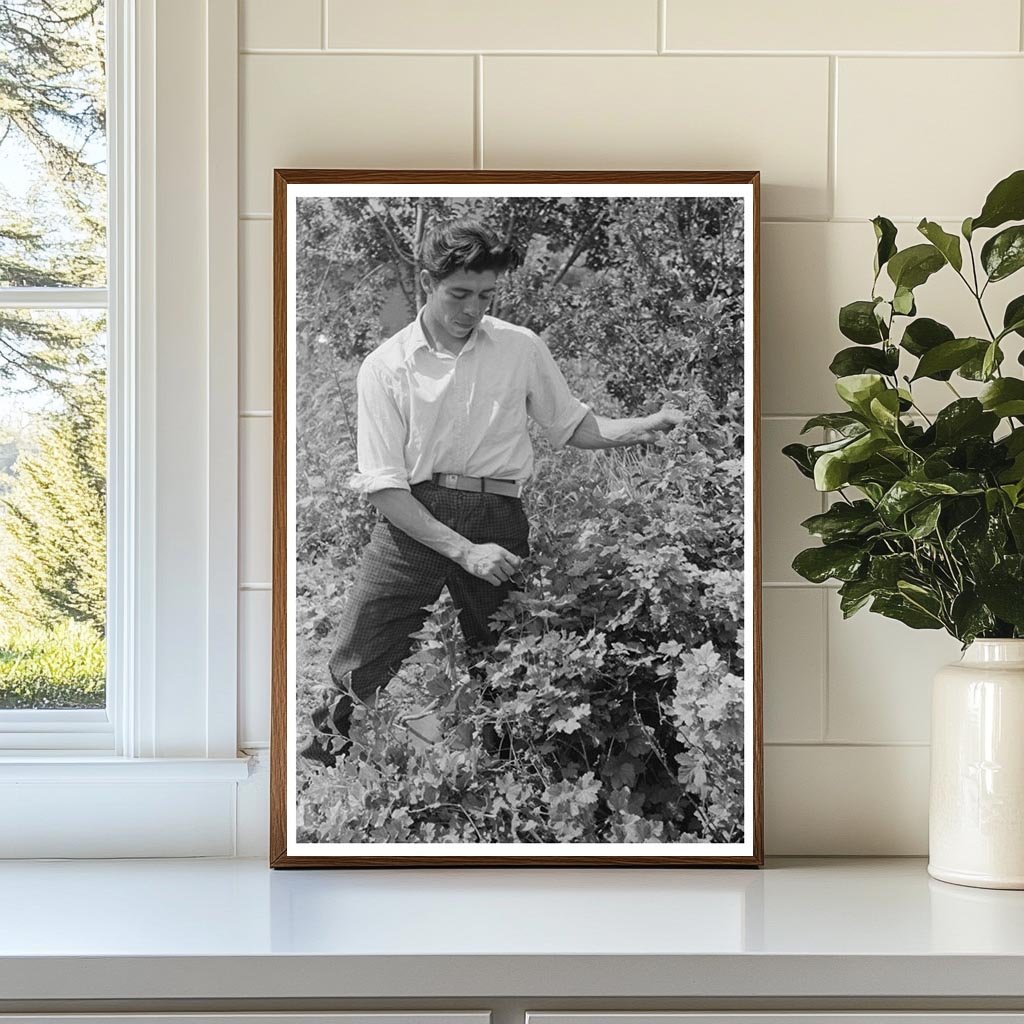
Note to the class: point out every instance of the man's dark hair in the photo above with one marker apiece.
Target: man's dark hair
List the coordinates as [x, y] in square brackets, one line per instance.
[467, 244]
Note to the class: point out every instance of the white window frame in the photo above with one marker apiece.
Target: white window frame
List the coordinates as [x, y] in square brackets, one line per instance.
[172, 509]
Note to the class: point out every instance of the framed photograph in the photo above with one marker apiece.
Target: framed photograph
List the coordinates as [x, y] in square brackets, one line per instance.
[516, 556]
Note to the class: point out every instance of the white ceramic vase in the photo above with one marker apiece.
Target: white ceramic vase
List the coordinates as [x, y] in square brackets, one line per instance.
[976, 812]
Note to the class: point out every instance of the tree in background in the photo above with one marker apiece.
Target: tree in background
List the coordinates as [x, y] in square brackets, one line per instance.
[53, 120]
[53, 544]
[52, 235]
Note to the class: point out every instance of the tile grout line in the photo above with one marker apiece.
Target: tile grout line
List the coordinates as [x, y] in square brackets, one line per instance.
[323, 24]
[824, 723]
[662, 29]
[258, 51]
[478, 111]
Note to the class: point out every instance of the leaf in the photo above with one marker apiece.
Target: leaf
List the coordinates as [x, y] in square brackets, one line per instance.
[965, 229]
[799, 455]
[923, 335]
[885, 409]
[858, 389]
[831, 471]
[842, 521]
[1004, 397]
[857, 321]
[1005, 202]
[903, 302]
[904, 495]
[1003, 254]
[970, 616]
[912, 267]
[832, 420]
[925, 518]
[849, 361]
[991, 360]
[1005, 596]
[950, 355]
[966, 417]
[1013, 317]
[895, 607]
[885, 236]
[947, 244]
[832, 561]
[974, 368]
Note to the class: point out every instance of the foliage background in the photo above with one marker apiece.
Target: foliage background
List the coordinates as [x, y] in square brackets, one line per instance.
[52, 365]
[613, 707]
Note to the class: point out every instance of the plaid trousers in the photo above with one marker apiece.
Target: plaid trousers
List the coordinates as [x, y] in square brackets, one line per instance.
[398, 576]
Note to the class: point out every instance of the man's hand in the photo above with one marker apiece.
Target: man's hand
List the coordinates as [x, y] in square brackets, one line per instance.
[661, 422]
[490, 562]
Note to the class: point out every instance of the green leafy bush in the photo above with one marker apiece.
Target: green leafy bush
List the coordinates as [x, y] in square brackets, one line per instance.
[613, 703]
[63, 666]
[928, 525]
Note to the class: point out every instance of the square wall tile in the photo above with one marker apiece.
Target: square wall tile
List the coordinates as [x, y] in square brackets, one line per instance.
[867, 25]
[880, 676]
[329, 110]
[467, 25]
[255, 316]
[787, 499]
[961, 130]
[681, 113]
[255, 512]
[846, 801]
[794, 663]
[269, 24]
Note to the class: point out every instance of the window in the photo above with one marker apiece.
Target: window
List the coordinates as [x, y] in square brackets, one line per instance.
[53, 373]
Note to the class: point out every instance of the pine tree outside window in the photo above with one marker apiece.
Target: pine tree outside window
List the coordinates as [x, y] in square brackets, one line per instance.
[53, 372]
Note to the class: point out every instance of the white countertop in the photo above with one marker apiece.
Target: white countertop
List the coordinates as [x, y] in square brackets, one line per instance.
[231, 928]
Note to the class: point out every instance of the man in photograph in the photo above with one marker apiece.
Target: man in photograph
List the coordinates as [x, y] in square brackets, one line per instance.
[443, 454]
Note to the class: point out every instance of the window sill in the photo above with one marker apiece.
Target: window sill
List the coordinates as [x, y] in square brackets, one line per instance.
[82, 767]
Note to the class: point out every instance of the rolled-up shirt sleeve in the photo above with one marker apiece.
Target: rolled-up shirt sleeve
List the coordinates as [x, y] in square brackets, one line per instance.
[549, 402]
[380, 435]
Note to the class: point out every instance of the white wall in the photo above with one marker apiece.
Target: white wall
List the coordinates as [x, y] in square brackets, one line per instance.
[906, 109]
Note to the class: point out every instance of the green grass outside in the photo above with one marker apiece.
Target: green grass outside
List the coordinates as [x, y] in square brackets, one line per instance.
[62, 667]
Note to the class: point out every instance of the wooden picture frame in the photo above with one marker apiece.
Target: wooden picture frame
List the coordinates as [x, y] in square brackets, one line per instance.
[666, 719]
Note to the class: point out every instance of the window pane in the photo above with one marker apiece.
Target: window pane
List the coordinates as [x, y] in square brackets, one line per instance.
[52, 509]
[53, 150]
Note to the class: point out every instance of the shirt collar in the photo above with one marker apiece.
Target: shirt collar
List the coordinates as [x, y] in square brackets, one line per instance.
[417, 337]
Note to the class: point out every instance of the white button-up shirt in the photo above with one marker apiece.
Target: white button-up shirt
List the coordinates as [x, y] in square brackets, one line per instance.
[423, 411]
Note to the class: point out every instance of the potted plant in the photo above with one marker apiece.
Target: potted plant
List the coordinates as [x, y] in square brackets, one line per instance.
[927, 521]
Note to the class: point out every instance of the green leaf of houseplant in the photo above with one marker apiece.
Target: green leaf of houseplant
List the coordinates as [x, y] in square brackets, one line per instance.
[1003, 254]
[923, 335]
[947, 244]
[1013, 317]
[849, 361]
[904, 495]
[840, 561]
[899, 608]
[1004, 397]
[857, 321]
[1005, 596]
[913, 266]
[841, 421]
[970, 616]
[885, 237]
[949, 355]
[858, 389]
[799, 455]
[1005, 202]
[966, 417]
[831, 471]
[843, 521]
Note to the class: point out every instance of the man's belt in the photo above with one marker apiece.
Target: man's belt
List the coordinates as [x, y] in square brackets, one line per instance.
[480, 484]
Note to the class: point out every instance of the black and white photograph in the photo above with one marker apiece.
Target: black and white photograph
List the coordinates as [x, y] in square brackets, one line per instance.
[515, 552]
